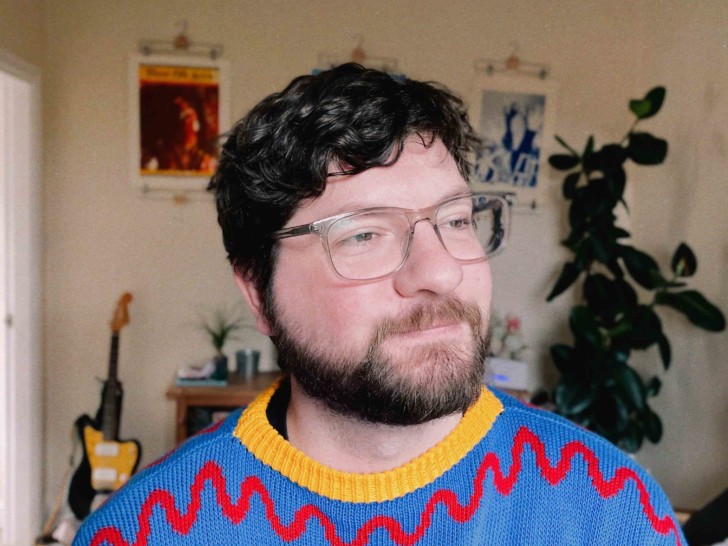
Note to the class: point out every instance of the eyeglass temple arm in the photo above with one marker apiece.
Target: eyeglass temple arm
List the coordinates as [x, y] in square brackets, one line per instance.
[294, 231]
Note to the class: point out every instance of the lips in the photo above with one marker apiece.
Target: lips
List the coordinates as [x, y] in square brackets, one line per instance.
[430, 317]
[425, 328]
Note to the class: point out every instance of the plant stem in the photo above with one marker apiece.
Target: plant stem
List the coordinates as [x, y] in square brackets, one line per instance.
[625, 138]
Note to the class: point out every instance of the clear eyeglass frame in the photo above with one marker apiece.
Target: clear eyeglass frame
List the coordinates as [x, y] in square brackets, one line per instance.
[495, 203]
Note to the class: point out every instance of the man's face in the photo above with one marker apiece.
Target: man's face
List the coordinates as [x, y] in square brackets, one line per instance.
[401, 350]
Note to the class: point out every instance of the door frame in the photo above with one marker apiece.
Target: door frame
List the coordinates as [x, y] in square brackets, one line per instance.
[21, 435]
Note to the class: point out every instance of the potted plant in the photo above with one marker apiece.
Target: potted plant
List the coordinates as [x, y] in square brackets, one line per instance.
[506, 366]
[221, 325]
[622, 289]
[506, 338]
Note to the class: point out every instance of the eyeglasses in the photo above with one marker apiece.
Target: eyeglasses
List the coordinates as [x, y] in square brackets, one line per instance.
[373, 243]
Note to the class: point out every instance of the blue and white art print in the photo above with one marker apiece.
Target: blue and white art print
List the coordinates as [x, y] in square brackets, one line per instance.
[512, 116]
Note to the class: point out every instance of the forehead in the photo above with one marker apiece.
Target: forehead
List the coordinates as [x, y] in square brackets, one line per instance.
[422, 176]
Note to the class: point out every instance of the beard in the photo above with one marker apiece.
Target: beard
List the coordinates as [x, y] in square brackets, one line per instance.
[401, 386]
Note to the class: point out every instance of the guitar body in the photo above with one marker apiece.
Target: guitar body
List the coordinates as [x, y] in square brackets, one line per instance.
[80, 492]
[108, 462]
[106, 466]
[111, 462]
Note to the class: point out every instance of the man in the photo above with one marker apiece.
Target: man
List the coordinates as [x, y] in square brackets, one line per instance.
[362, 253]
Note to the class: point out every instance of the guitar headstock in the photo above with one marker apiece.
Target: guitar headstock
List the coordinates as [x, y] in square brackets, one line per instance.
[121, 314]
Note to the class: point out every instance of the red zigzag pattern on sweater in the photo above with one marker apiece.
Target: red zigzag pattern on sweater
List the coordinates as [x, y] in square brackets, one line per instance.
[183, 522]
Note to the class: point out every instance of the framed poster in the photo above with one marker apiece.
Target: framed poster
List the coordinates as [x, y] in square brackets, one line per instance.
[514, 116]
[178, 108]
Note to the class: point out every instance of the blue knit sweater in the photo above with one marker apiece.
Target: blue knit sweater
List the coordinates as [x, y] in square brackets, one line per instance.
[507, 474]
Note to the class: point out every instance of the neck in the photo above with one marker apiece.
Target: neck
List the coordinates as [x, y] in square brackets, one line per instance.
[348, 444]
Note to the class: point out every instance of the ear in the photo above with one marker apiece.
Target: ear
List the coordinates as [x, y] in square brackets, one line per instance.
[254, 300]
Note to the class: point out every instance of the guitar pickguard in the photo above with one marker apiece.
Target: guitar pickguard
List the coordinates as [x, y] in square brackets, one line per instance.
[112, 463]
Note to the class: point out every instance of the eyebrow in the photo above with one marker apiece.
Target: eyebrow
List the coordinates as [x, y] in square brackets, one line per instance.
[358, 205]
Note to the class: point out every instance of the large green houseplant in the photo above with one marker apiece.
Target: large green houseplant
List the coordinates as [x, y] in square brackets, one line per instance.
[622, 290]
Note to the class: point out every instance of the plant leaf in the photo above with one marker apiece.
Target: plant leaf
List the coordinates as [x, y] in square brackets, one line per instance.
[645, 149]
[632, 439]
[695, 307]
[631, 385]
[584, 326]
[639, 265]
[563, 357]
[584, 253]
[646, 328]
[572, 398]
[663, 344]
[221, 325]
[684, 263]
[610, 158]
[564, 162]
[639, 107]
[593, 200]
[611, 412]
[620, 233]
[615, 269]
[626, 295]
[616, 181]
[601, 251]
[653, 386]
[598, 291]
[661, 282]
[568, 276]
[577, 232]
[570, 183]
[565, 145]
[652, 425]
[589, 148]
[649, 105]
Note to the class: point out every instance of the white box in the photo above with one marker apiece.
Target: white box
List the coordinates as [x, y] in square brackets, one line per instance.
[508, 374]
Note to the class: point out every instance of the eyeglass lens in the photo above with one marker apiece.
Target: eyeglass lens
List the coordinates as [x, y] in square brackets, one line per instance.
[373, 244]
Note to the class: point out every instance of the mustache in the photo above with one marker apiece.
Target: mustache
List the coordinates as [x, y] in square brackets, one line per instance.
[430, 314]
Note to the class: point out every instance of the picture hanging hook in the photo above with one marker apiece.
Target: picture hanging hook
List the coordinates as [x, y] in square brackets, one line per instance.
[181, 41]
[358, 55]
[513, 62]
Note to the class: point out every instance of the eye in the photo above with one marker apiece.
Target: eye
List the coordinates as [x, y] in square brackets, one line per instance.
[459, 222]
[358, 238]
[368, 233]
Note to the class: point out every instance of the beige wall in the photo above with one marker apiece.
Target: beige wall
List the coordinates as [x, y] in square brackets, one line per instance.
[686, 200]
[103, 237]
[21, 29]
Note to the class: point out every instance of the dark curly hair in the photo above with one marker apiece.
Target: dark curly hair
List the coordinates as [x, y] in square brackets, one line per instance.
[341, 121]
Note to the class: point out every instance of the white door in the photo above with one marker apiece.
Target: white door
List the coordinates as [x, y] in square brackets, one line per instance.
[20, 334]
[4, 266]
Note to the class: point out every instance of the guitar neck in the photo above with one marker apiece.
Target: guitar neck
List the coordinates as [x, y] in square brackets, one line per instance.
[114, 357]
[112, 394]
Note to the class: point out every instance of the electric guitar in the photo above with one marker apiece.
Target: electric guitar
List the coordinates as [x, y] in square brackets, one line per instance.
[107, 461]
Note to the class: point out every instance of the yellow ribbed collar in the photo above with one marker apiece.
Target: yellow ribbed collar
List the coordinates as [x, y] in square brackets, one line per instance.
[264, 442]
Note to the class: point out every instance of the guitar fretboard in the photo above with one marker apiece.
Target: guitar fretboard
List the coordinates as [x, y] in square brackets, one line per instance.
[114, 356]
[111, 394]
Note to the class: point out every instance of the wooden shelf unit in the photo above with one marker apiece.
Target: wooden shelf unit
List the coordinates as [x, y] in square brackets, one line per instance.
[238, 392]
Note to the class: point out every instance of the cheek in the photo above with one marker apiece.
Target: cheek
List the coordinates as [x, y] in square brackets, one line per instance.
[477, 285]
[314, 300]
[348, 313]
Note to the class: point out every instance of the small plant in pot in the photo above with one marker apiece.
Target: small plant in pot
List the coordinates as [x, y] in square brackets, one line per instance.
[622, 290]
[221, 325]
[506, 338]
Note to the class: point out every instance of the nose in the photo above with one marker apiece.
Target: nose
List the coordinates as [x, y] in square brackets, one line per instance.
[429, 266]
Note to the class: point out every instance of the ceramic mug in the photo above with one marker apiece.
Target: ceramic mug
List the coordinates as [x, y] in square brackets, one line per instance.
[246, 361]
